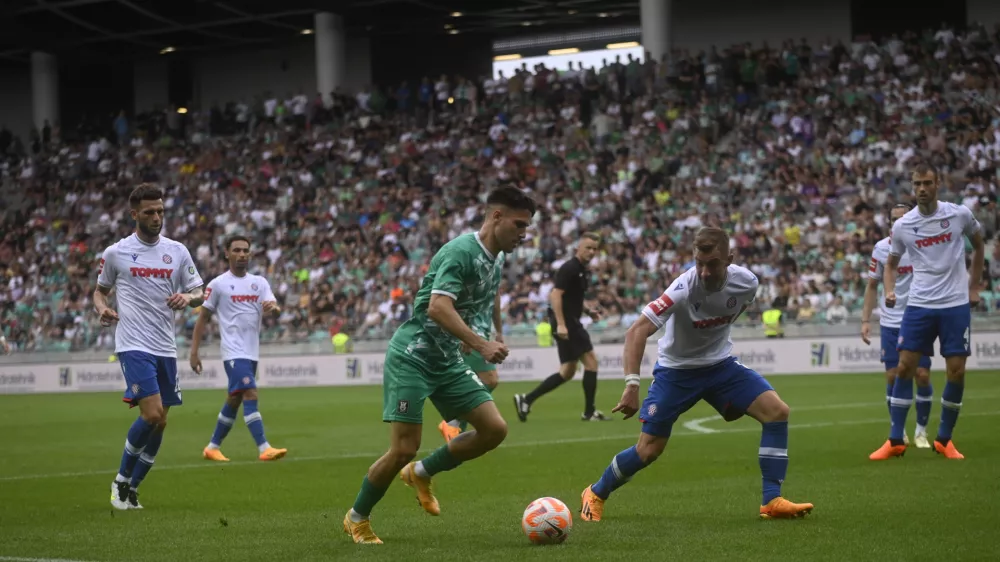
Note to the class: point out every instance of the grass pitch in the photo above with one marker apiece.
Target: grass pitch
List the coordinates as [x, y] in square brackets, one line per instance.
[698, 502]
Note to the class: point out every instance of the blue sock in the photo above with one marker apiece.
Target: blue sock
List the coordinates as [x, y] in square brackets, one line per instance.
[902, 398]
[147, 458]
[888, 397]
[924, 396]
[225, 423]
[951, 404]
[138, 438]
[622, 468]
[773, 458]
[255, 424]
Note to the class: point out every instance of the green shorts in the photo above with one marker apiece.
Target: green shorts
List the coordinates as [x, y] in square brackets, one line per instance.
[406, 384]
[476, 362]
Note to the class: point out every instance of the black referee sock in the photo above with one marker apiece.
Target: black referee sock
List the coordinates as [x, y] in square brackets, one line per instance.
[547, 386]
[589, 391]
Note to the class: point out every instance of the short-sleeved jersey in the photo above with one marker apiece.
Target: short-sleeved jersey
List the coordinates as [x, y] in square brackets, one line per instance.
[465, 271]
[936, 249]
[573, 279]
[145, 276]
[238, 303]
[891, 317]
[698, 322]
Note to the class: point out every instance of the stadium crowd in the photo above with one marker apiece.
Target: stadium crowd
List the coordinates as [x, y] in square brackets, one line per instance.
[798, 149]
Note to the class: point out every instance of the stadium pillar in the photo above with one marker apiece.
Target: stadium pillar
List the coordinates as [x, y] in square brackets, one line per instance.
[44, 89]
[331, 63]
[655, 19]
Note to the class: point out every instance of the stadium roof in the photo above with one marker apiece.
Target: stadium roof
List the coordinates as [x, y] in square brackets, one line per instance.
[136, 28]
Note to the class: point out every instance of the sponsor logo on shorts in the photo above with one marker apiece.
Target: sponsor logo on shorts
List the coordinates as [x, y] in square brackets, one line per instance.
[403, 406]
[246, 380]
[135, 388]
[651, 410]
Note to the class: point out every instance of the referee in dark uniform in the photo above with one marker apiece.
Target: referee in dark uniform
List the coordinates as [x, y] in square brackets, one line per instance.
[565, 309]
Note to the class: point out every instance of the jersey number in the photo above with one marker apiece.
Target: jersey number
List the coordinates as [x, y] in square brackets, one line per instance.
[968, 341]
[475, 377]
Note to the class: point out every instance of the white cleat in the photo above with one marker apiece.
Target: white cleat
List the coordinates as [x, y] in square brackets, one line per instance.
[920, 440]
[906, 439]
[119, 495]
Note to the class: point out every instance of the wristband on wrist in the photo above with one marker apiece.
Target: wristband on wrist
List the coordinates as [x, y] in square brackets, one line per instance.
[631, 380]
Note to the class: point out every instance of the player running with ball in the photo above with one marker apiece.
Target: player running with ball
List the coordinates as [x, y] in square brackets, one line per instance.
[425, 360]
[696, 363]
[938, 307]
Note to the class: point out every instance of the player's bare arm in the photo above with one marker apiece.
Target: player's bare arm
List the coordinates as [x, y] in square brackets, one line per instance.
[635, 346]
[4, 346]
[199, 331]
[271, 307]
[976, 271]
[871, 297]
[497, 319]
[441, 310]
[889, 280]
[180, 301]
[556, 302]
[104, 310]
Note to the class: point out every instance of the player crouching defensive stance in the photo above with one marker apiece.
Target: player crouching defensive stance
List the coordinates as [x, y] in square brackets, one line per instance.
[695, 363]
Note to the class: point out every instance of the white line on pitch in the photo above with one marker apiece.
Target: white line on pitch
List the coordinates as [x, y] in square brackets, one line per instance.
[549, 442]
[19, 559]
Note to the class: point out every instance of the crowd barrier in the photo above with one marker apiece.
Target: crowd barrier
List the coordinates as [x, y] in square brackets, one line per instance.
[829, 355]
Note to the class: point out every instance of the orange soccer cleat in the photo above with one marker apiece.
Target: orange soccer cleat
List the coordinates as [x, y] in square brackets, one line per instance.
[780, 508]
[361, 532]
[272, 454]
[948, 451]
[593, 506]
[214, 454]
[888, 451]
[423, 487]
[448, 432]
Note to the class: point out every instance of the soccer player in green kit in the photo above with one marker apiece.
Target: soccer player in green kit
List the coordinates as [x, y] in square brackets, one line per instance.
[425, 360]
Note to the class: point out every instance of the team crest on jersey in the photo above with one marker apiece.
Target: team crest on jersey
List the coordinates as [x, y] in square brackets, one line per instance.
[167, 258]
[731, 302]
[253, 286]
[945, 223]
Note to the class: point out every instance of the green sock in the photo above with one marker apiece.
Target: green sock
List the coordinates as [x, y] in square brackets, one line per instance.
[439, 461]
[368, 497]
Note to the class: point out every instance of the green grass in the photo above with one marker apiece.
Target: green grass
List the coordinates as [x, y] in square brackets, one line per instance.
[699, 501]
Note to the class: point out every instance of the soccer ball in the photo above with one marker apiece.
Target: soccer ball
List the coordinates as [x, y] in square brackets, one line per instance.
[547, 521]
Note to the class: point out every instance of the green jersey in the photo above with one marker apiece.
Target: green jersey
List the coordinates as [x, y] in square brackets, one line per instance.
[465, 271]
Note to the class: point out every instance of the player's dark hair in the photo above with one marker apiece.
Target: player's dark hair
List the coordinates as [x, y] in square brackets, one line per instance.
[512, 198]
[923, 169]
[236, 238]
[906, 206]
[709, 239]
[592, 236]
[144, 192]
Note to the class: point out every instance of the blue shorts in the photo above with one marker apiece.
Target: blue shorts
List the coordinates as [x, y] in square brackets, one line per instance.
[147, 374]
[890, 355]
[242, 375]
[952, 327]
[729, 386]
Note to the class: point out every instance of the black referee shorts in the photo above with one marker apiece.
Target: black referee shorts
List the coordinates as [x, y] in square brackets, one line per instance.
[575, 346]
